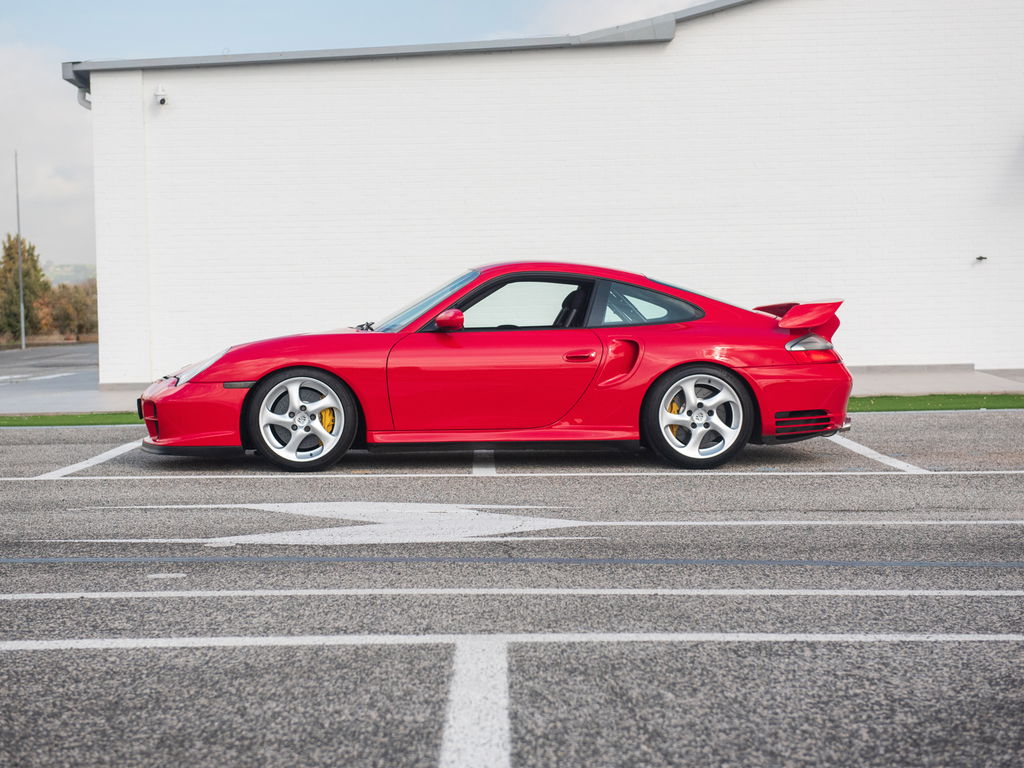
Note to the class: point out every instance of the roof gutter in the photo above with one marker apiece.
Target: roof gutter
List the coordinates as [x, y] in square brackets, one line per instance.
[659, 29]
[69, 74]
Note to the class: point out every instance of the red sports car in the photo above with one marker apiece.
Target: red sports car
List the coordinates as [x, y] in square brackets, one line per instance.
[520, 353]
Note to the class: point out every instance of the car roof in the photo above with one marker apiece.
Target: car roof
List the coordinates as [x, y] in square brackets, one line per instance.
[512, 267]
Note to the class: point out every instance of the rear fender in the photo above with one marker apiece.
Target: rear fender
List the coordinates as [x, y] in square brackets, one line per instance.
[752, 390]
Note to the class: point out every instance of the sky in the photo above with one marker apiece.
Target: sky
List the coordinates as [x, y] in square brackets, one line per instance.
[52, 134]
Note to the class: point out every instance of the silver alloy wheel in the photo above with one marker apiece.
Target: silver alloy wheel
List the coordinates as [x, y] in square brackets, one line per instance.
[700, 416]
[301, 419]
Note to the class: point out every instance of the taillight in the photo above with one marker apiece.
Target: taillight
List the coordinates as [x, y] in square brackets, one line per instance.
[812, 348]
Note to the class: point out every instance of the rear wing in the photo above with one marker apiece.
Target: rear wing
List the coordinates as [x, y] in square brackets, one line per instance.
[819, 317]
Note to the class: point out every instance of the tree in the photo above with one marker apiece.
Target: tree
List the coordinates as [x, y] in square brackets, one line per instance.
[37, 288]
[73, 307]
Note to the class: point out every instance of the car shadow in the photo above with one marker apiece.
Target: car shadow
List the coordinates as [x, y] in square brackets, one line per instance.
[809, 456]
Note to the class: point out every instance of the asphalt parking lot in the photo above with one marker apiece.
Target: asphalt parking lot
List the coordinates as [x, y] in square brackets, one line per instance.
[845, 602]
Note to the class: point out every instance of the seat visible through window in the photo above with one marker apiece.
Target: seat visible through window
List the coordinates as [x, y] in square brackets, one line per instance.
[573, 306]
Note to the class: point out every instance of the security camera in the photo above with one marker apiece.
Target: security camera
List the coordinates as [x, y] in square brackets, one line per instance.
[160, 95]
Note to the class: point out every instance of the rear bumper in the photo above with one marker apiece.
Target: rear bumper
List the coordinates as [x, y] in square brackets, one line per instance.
[194, 415]
[770, 440]
[798, 402]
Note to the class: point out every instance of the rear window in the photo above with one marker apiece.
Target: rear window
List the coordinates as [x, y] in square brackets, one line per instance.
[624, 304]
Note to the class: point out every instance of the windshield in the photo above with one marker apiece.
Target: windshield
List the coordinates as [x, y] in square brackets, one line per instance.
[403, 317]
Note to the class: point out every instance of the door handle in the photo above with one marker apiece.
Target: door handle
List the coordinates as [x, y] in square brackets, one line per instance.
[579, 356]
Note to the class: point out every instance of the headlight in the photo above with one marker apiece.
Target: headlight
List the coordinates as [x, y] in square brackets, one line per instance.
[198, 368]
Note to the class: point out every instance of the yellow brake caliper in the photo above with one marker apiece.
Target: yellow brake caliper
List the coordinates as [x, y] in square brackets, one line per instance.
[327, 419]
[673, 407]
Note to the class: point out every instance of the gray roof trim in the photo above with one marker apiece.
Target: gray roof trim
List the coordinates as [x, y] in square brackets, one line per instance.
[658, 29]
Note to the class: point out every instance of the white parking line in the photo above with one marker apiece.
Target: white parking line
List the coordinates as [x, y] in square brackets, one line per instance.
[298, 641]
[500, 592]
[476, 727]
[51, 376]
[483, 463]
[302, 641]
[18, 378]
[105, 456]
[863, 450]
[335, 476]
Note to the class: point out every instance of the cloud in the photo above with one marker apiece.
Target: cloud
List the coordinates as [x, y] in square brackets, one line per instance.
[53, 136]
[577, 16]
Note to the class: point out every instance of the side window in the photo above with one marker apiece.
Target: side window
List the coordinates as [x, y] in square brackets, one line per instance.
[625, 304]
[529, 304]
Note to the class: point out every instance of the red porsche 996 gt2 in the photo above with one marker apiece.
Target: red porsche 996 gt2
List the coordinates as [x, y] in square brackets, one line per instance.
[515, 354]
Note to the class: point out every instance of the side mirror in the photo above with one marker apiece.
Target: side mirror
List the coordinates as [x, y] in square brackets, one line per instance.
[450, 320]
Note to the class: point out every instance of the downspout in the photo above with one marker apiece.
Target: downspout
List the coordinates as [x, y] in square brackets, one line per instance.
[80, 81]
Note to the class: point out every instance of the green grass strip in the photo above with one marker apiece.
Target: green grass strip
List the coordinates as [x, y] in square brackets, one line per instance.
[934, 403]
[69, 419]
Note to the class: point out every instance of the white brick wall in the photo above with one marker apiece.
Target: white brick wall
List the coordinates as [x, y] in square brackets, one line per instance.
[783, 150]
[122, 261]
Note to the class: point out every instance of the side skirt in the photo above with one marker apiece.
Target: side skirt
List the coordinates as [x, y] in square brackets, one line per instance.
[510, 445]
[506, 437]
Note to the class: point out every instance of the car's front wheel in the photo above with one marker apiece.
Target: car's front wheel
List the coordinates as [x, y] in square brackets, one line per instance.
[698, 416]
[302, 419]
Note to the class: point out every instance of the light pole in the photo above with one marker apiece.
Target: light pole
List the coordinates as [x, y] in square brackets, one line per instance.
[21, 271]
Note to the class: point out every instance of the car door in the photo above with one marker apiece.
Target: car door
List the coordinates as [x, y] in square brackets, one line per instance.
[521, 361]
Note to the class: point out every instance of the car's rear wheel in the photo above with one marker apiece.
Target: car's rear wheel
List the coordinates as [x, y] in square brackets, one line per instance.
[698, 416]
[302, 419]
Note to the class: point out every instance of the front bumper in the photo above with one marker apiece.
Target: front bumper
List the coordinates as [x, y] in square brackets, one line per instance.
[209, 451]
[193, 415]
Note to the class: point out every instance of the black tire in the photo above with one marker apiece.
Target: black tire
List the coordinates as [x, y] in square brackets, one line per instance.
[297, 437]
[720, 431]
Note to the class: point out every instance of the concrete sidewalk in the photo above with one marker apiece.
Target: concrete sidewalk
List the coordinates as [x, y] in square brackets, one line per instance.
[934, 380]
[65, 379]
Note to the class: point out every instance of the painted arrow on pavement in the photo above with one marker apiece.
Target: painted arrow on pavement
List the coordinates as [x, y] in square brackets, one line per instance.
[407, 523]
[386, 523]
